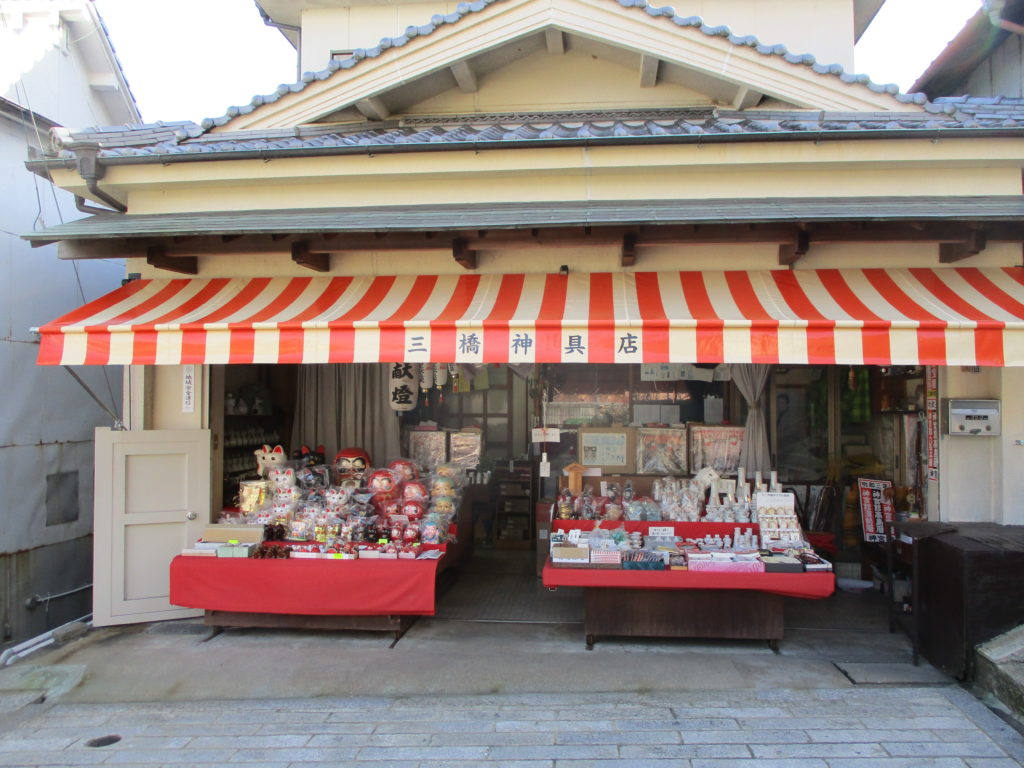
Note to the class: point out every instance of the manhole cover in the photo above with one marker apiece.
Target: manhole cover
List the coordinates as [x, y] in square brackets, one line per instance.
[103, 741]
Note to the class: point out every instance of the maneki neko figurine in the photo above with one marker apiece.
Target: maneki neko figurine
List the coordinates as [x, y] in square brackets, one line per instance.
[268, 458]
[351, 463]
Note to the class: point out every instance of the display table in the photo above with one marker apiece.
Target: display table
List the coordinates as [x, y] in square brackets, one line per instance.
[669, 603]
[362, 594]
[324, 594]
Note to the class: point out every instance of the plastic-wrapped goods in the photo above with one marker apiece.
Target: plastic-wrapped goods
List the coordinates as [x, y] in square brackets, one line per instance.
[415, 490]
[443, 506]
[337, 498]
[383, 482]
[455, 471]
[282, 512]
[313, 477]
[428, 449]
[350, 463]
[404, 469]
[433, 529]
[413, 509]
[464, 449]
[443, 485]
[253, 494]
[613, 511]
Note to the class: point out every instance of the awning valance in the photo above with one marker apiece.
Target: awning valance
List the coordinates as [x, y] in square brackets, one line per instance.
[949, 316]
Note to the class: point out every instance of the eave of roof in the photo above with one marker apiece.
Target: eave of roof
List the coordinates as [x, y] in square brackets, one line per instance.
[185, 142]
[464, 9]
[454, 217]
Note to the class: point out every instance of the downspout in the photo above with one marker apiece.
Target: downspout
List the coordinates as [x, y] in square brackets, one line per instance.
[90, 170]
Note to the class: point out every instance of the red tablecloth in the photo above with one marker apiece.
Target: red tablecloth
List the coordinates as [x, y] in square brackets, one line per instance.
[809, 585]
[312, 587]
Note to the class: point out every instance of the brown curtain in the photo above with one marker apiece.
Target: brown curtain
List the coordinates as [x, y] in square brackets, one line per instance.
[346, 405]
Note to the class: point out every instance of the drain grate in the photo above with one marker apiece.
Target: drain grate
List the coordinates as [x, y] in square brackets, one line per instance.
[103, 741]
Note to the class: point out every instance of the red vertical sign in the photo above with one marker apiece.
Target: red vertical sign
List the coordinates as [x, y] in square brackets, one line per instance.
[875, 509]
[931, 394]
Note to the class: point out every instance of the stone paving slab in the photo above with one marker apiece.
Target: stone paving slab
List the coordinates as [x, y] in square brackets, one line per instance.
[745, 729]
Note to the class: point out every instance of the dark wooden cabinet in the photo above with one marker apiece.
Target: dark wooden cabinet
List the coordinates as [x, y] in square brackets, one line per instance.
[970, 588]
[513, 512]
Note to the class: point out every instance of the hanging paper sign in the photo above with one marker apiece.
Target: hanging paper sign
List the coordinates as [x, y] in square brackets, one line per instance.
[188, 389]
[546, 434]
[875, 508]
[403, 386]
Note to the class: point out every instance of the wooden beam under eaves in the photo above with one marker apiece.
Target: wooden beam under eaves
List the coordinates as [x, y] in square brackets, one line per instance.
[746, 98]
[464, 76]
[971, 245]
[648, 71]
[464, 256]
[628, 255]
[318, 262]
[373, 108]
[156, 256]
[554, 39]
[790, 253]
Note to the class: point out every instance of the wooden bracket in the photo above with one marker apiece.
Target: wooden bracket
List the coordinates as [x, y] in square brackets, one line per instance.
[462, 254]
[156, 256]
[971, 245]
[628, 257]
[301, 255]
[790, 253]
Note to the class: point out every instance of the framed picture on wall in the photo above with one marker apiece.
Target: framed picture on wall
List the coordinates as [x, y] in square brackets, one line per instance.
[611, 449]
[718, 447]
[661, 451]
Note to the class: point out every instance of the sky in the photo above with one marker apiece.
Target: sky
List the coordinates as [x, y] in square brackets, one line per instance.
[207, 55]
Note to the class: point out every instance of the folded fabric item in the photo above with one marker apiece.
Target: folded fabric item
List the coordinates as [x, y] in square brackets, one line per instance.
[736, 566]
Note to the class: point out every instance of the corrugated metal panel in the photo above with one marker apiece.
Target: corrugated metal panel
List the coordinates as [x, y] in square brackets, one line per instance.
[543, 214]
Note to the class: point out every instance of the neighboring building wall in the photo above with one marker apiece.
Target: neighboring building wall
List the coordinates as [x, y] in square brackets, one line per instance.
[1002, 74]
[47, 420]
[824, 29]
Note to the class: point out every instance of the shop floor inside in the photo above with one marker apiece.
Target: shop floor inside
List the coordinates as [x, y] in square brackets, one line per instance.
[496, 630]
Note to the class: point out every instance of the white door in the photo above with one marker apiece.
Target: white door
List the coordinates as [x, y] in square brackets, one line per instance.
[152, 499]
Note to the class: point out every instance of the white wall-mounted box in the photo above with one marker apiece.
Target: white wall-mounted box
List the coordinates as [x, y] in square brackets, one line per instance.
[972, 418]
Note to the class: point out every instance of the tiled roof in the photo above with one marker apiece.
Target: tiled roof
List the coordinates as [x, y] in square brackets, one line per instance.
[159, 141]
[464, 9]
[470, 216]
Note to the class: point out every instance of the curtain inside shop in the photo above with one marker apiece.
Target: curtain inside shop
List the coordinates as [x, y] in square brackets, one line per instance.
[751, 379]
[344, 406]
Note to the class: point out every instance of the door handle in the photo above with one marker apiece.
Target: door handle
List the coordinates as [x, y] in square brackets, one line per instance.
[191, 516]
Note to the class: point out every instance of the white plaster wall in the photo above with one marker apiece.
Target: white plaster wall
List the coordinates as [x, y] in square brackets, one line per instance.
[821, 27]
[971, 468]
[1011, 466]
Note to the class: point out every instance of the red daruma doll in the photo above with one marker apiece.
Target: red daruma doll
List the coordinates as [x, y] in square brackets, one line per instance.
[351, 463]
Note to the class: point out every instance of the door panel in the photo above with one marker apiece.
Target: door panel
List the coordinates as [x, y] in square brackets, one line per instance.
[152, 500]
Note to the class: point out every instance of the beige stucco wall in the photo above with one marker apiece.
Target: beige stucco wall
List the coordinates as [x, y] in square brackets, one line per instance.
[980, 478]
[820, 27]
[692, 171]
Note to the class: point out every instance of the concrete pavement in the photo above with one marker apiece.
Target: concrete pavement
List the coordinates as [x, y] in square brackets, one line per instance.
[902, 727]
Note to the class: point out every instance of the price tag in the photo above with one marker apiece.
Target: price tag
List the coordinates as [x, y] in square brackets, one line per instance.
[547, 435]
[659, 531]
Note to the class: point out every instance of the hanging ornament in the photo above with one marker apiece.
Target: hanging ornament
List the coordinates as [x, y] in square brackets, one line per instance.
[440, 374]
[403, 386]
[427, 375]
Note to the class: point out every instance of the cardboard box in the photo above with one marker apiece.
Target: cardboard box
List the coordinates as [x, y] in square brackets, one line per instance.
[222, 534]
[782, 564]
[199, 552]
[570, 555]
[235, 550]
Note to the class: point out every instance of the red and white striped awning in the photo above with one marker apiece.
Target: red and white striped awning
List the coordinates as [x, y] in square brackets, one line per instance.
[948, 316]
